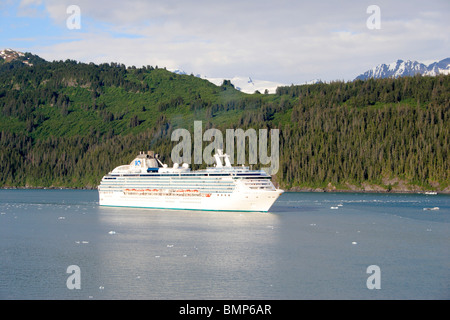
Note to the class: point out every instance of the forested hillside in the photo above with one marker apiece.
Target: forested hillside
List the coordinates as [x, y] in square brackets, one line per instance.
[66, 124]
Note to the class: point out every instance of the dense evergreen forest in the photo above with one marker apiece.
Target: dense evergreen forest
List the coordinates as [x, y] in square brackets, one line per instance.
[66, 124]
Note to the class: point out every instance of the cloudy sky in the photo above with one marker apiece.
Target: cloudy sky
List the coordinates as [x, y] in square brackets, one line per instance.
[285, 41]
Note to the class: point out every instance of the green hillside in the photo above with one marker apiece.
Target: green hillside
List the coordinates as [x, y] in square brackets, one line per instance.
[65, 124]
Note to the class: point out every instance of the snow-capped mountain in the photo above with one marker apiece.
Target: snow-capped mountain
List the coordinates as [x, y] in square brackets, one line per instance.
[9, 55]
[244, 84]
[402, 68]
[247, 84]
[441, 67]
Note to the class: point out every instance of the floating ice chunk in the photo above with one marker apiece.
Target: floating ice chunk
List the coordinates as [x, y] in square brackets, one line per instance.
[157, 256]
[340, 205]
[354, 242]
[334, 208]
[434, 208]
[61, 218]
[101, 288]
[112, 232]
[84, 242]
[170, 246]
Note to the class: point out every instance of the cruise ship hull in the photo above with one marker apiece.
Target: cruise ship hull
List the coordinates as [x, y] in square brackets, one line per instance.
[259, 201]
[147, 183]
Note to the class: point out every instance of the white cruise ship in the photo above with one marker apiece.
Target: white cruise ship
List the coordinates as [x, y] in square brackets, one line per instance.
[147, 183]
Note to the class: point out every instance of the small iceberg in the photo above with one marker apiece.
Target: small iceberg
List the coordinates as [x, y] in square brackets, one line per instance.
[334, 208]
[112, 232]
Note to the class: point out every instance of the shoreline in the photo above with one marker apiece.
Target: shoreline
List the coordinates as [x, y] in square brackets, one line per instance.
[394, 186]
[370, 189]
[446, 191]
[319, 190]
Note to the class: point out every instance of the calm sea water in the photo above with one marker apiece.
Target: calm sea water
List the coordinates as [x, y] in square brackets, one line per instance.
[310, 246]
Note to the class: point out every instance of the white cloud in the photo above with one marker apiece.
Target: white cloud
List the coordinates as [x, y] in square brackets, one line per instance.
[285, 40]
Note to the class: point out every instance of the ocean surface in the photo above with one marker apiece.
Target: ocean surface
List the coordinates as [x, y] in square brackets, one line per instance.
[310, 246]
